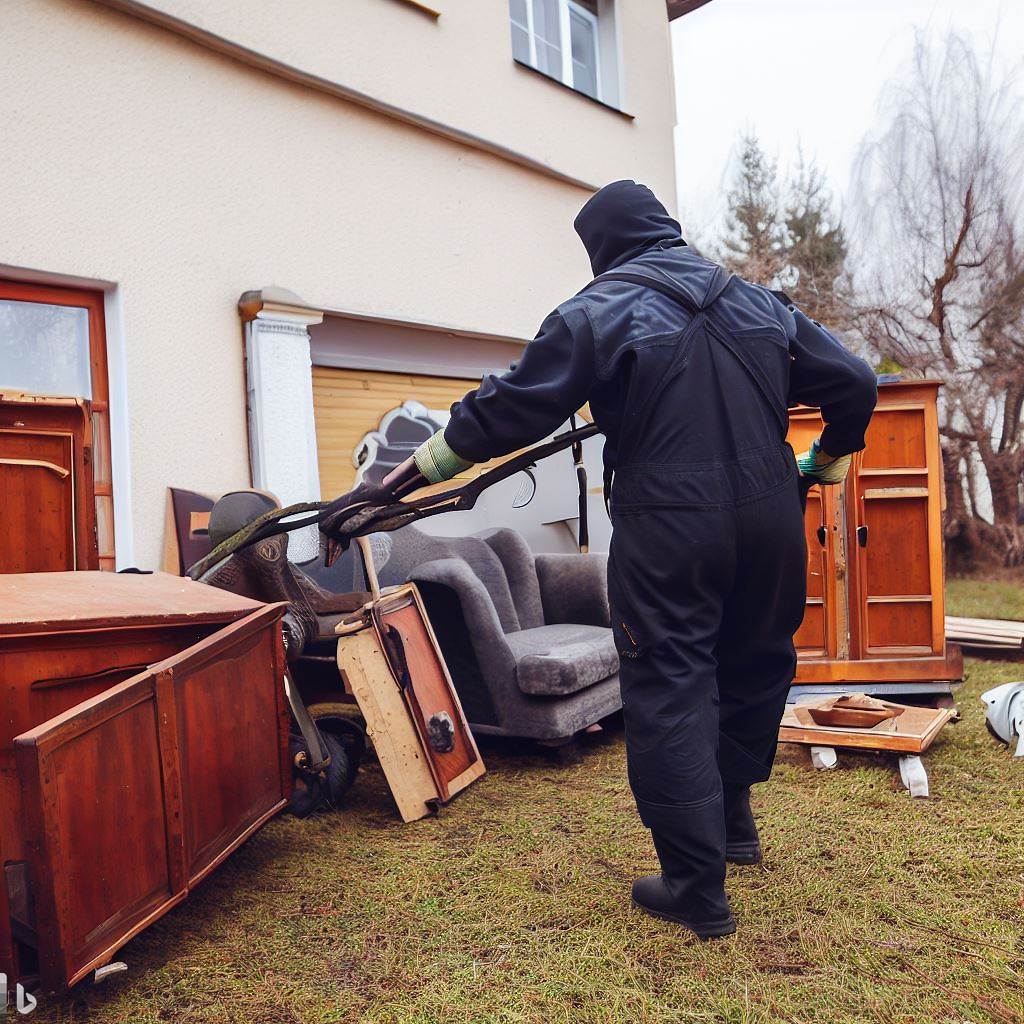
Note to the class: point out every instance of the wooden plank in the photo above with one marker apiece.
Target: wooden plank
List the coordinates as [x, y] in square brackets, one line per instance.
[388, 725]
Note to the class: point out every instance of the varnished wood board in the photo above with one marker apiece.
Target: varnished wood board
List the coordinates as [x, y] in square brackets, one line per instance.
[44, 602]
[911, 733]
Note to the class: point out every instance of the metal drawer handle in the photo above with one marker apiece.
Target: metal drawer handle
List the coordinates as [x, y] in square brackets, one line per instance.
[39, 464]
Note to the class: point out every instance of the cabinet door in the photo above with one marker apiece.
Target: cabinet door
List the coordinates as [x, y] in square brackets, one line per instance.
[895, 528]
[822, 632]
[37, 492]
[133, 796]
[422, 677]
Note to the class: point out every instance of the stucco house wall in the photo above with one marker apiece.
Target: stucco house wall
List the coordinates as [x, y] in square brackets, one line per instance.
[178, 177]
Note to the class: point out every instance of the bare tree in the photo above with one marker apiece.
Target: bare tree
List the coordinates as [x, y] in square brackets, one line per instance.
[940, 270]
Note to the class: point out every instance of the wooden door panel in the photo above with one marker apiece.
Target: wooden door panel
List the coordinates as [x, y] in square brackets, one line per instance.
[427, 689]
[131, 796]
[46, 485]
[895, 439]
[93, 805]
[811, 638]
[230, 776]
[818, 636]
[895, 528]
[37, 495]
[111, 867]
[906, 625]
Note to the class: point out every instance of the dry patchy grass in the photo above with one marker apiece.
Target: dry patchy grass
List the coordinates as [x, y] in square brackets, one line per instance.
[512, 906]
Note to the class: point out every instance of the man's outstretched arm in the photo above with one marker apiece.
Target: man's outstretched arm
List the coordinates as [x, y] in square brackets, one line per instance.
[518, 408]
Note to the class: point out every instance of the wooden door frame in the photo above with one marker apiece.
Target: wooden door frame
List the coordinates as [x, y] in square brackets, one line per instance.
[93, 301]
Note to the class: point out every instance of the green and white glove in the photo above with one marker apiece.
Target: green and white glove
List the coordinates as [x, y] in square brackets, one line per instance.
[814, 463]
[436, 461]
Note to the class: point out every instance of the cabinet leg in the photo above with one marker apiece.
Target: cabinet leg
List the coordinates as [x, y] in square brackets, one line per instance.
[914, 777]
[102, 973]
[824, 757]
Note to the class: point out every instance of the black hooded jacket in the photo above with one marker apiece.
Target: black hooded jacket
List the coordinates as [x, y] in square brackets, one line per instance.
[615, 342]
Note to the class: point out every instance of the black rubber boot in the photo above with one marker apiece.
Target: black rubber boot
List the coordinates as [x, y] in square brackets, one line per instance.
[742, 843]
[691, 887]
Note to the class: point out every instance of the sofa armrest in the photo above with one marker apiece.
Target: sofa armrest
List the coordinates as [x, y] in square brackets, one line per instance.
[477, 607]
[574, 588]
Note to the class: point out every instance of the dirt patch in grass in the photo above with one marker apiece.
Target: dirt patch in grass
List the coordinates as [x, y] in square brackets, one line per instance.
[512, 905]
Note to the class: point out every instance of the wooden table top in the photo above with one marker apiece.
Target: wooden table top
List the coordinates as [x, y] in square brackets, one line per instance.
[57, 601]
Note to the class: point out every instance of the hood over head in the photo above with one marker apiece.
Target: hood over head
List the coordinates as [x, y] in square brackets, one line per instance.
[621, 221]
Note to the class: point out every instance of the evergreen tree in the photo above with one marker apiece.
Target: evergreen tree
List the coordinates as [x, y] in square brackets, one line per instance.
[754, 247]
[815, 247]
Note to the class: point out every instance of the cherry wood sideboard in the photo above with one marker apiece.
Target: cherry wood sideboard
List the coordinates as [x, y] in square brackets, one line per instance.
[143, 737]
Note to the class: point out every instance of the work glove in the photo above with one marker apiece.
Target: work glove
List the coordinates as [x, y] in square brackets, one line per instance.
[336, 520]
[821, 468]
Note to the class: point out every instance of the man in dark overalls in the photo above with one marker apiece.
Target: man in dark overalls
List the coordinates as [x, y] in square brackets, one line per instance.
[688, 372]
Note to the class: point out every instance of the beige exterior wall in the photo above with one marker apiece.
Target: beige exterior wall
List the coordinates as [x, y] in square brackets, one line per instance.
[183, 178]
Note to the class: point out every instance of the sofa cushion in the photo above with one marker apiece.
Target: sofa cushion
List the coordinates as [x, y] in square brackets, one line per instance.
[553, 661]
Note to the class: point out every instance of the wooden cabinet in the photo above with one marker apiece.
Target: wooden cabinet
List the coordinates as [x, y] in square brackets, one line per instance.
[143, 737]
[46, 485]
[875, 583]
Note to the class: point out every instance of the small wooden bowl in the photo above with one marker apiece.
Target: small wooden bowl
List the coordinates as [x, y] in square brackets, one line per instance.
[851, 718]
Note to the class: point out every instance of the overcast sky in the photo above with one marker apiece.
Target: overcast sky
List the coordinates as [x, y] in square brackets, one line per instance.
[800, 72]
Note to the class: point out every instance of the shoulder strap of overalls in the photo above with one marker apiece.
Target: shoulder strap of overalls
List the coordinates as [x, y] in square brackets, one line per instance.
[661, 283]
[664, 284]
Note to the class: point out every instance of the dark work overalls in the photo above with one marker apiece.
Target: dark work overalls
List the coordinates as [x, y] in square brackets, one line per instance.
[688, 373]
[707, 568]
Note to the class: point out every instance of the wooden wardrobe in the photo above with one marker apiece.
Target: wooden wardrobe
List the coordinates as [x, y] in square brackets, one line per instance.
[875, 617]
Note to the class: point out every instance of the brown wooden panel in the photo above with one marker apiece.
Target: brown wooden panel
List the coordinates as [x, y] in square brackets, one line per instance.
[98, 853]
[431, 690]
[896, 439]
[899, 624]
[895, 528]
[50, 502]
[37, 494]
[227, 674]
[810, 638]
[895, 554]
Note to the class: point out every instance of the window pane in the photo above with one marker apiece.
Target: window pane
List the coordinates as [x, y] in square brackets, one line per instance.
[520, 43]
[547, 31]
[517, 12]
[44, 348]
[584, 53]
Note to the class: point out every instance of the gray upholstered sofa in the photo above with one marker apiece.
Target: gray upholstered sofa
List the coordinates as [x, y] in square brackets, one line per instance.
[526, 636]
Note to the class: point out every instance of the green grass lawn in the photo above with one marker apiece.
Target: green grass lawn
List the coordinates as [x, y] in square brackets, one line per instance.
[986, 598]
[512, 905]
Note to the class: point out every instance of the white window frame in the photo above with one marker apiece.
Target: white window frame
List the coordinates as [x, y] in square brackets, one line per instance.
[565, 32]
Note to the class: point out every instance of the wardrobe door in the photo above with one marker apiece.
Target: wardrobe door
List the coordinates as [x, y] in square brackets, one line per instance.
[895, 527]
